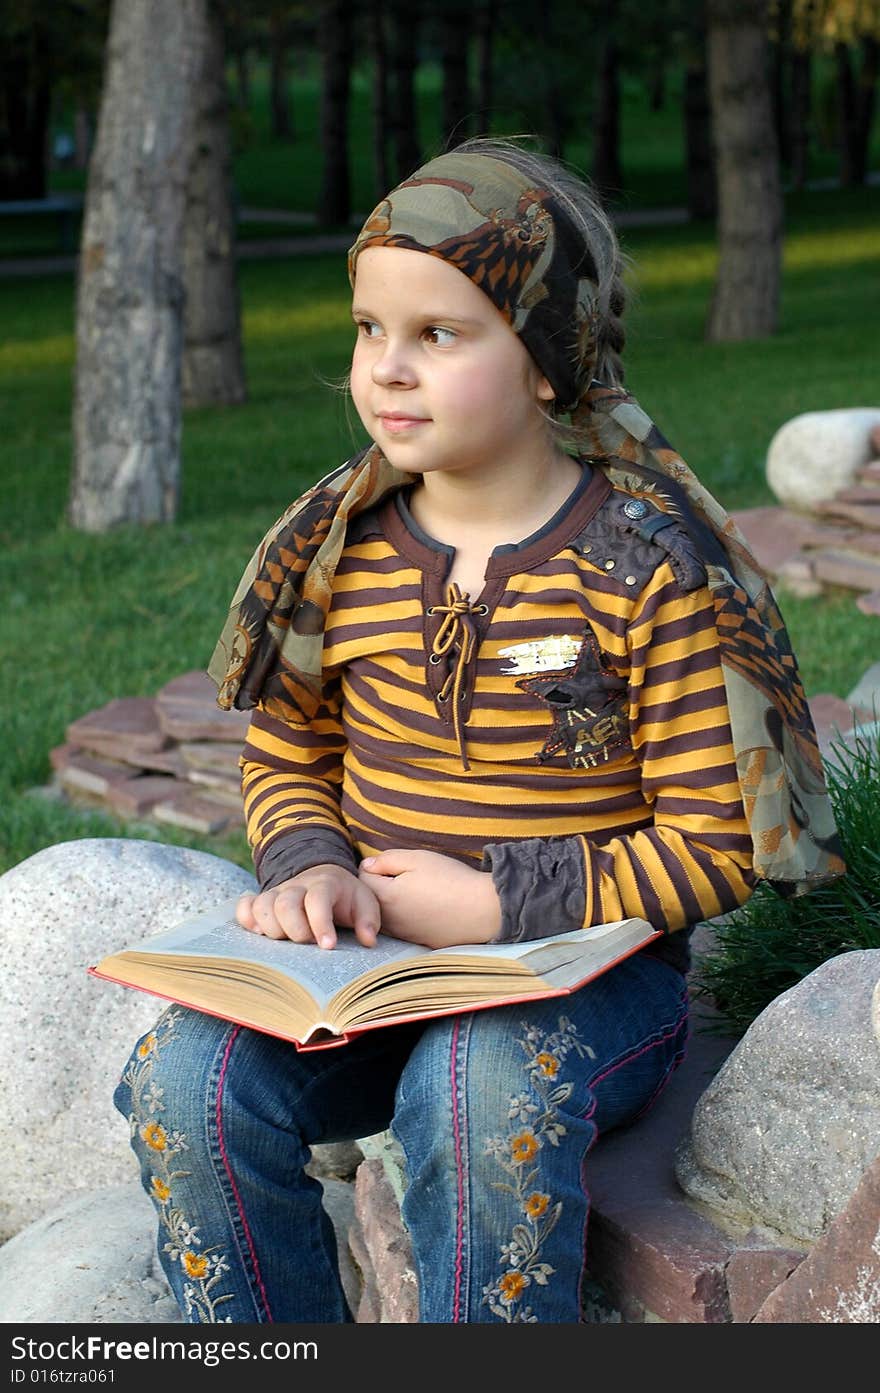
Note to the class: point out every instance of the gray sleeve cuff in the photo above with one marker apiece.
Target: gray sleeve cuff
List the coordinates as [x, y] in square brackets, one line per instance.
[541, 883]
[299, 850]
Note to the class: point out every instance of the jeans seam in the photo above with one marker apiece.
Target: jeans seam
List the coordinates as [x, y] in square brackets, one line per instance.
[460, 1174]
[236, 1193]
[658, 1037]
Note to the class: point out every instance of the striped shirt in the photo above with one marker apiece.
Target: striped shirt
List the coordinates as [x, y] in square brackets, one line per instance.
[566, 730]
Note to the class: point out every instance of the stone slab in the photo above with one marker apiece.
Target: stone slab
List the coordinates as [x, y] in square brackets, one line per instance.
[863, 514]
[752, 1274]
[832, 717]
[380, 1233]
[196, 812]
[82, 773]
[134, 797]
[187, 710]
[864, 492]
[126, 723]
[776, 534]
[839, 1280]
[648, 1244]
[865, 695]
[214, 755]
[848, 569]
[869, 602]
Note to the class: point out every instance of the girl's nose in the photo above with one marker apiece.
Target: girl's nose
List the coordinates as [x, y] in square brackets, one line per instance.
[393, 367]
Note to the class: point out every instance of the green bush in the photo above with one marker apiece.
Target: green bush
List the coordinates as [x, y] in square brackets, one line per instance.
[771, 943]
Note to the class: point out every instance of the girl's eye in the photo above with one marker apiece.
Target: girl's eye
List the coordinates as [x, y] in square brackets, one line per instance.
[367, 328]
[441, 337]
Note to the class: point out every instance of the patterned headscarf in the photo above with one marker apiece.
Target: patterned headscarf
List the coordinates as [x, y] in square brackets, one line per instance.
[514, 239]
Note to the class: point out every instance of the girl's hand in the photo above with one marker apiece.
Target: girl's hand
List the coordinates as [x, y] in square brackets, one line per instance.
[432, 899]
[307, 908]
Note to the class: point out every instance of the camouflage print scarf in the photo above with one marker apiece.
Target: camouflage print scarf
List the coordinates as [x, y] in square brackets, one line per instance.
[514, 240]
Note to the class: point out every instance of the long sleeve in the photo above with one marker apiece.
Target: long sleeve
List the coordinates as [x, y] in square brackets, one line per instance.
[694, 860]
[291, 779]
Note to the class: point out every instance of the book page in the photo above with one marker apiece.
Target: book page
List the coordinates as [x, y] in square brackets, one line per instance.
[217, 934]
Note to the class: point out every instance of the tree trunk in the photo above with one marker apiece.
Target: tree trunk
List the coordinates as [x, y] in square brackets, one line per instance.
[487, 18]
[702, 191]
[745, 303]
[456, 104]
[25, 102]
[213, 367]
[867, 89]
[279, 100]
[800, 116]
[129, 323]
[780, 60]
[334, 39]
[607, 172]
[847, 118]
[82, 137]
[379, 54]
[404, 58]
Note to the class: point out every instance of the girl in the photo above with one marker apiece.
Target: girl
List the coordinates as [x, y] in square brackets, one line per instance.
[512, 670]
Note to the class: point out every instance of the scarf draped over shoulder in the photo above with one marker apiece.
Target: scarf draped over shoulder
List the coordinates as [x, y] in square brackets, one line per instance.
[270, 649]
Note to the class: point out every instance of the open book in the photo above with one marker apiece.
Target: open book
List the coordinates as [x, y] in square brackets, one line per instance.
[317, 997]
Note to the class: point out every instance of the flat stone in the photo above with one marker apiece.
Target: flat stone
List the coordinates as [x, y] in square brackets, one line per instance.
[187, 710]
[196, 812]
[797, 575]
[134, 797]
[753, 1273]
[832, 718]
[864, 492]
[81, 772]
[865, 695]
[213, 755]
[866, 515]
[848, 569]
[388, 1246]
[869, 603]
[839, 1280]
[648, 1246]
[129, 723]
[776, 534]
[217, 787]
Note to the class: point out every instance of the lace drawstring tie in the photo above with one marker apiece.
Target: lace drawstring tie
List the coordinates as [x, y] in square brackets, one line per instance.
[456, 632]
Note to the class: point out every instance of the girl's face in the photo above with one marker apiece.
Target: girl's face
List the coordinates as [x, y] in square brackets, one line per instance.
[439, 379]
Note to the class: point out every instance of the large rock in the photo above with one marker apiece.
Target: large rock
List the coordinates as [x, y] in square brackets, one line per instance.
[786, 1129]
[65, 1036]
[814, 455]
[92, 1260]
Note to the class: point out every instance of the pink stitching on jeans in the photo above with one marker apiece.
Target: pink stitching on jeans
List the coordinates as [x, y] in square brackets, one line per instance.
[235, 1191]
[627, 1058]
[459, 1174]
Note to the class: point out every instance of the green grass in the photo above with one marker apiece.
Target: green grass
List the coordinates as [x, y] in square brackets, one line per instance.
[88, 618]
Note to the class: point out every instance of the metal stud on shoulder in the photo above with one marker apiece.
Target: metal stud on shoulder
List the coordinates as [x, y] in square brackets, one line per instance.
[635, 508]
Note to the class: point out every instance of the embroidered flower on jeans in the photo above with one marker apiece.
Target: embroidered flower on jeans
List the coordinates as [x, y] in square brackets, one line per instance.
[521, 1254]
[203, 1266]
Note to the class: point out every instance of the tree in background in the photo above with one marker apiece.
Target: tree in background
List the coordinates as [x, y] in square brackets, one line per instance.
[45, 50]
[745, 302]
[213, 362]
[335, 41]
[130, 293]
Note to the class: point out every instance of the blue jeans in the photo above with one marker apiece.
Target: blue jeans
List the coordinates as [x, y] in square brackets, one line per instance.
[495, 1111]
